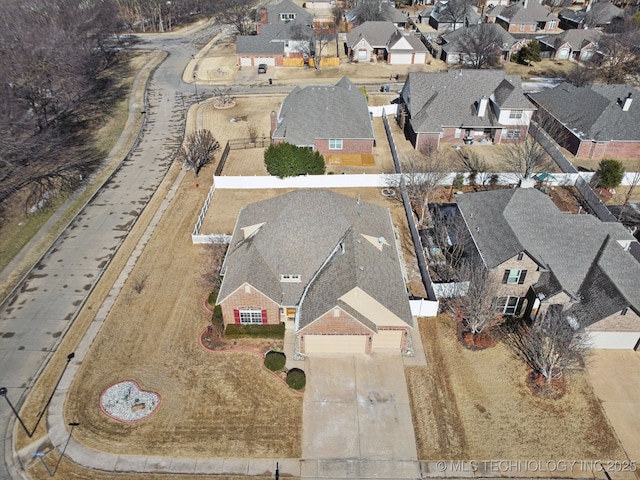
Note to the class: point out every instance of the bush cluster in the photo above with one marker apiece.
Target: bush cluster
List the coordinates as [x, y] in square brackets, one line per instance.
[254, 331]
[275, 361]
[296, 379]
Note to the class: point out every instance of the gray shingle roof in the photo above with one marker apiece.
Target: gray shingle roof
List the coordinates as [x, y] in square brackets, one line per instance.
[257, 44]
[300, 232]
[576, 38]
[601, 13]
[517, 13]
[435, 100]
[377, 34]
[453, 39]
[441, 14]
[593, 112]
[316, 112]
[286, 6]
[504, 223]
[387, 11]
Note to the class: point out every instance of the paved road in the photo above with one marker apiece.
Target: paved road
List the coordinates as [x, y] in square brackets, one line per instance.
[34, 319]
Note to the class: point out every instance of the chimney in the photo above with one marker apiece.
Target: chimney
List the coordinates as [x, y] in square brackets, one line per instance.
[526, 4]
[627, 103]
[264, 15]
[273, 122]
[588, 6]
[482, 106]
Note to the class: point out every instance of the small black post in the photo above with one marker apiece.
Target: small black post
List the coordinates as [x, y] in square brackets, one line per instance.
[277, 471]
[3, 393]
[195, 84]
[72, 425]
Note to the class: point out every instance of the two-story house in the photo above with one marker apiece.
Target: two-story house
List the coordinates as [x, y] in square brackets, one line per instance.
[544, 257]
[463, 107]
[522, 17]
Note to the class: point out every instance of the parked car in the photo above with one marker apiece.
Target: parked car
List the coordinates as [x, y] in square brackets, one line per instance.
[262, 68]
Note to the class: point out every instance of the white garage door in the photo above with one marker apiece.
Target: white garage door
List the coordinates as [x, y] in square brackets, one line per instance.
[401, 58]
[362, 54]
[245, 61]
[615, 340]
[387, 339]
[335, 343]
[268, 60]
[563, 54]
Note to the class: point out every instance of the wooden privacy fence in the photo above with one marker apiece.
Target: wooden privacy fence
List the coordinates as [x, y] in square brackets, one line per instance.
[239, 144]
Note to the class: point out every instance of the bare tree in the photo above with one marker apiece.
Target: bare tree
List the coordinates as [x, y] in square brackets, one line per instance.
[457, 12]
[525, 158]
[477, 167]
[422, 174]
[199, 149]
[223, 95]
[475, 301]
[634, 181]
[581, 74]
[480, 46]
[451, 236]
[369, 11]
[619, 54]
[238, 13]
[252, 132]
[550, 346]
[212, 265]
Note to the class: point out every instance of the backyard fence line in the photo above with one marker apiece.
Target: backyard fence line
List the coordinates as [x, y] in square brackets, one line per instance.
[424, 308]
[384, 110]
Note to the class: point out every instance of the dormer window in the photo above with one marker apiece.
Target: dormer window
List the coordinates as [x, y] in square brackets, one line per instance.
[515, 113]
[287, 17]
[290, 278]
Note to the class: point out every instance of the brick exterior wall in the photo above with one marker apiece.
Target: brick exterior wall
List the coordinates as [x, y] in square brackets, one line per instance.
[613, 149]
[348, 146]
[254, 300]
[426, 142]
[630, 322]
[517, 290]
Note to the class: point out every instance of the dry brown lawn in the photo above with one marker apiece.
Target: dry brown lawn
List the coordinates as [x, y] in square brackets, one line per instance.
[213, 404]
[476, 406]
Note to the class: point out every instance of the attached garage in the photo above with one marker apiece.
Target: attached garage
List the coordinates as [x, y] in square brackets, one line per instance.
[270, 61]
[401, 59]
[245, 61]
[387, 340]
[335, 343]
[614, 340]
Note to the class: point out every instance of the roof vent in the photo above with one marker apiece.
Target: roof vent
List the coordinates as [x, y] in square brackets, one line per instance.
[381, 239]
[361, 268]
[627, 103]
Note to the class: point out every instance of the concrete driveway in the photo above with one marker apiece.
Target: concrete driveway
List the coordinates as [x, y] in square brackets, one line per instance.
[357, 419]
[615, 377]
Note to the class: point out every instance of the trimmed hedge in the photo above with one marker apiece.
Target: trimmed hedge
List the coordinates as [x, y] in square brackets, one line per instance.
[296, 379]
[211, 299]
[216, 318]
[275, 361]
[235, 330]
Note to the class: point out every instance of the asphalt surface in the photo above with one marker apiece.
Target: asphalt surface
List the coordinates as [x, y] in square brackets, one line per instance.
[35, 317]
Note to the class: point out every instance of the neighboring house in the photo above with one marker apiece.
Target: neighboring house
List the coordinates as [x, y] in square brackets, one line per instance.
[545, 258]
[324, 264]
[597, 121]
[598, 15]
[320, 4]
[463, 107]
[443, 19]
[284, 30]
[579, 45]
[334, 121]
[453, 48]
[383, 41]
[387, 13]
[523, 16]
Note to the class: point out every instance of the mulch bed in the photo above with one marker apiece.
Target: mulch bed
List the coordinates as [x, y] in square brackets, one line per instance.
[479, 341]
[553, 391]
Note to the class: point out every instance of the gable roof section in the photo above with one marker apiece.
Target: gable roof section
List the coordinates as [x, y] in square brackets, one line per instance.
[576, 38]
[593, 112]
[534, 12]
[435, 100]
[286, 6]
[257, 44]
[454, 39]
[506, 222]
[317, 234]
[442, 14]
[315, 112]
[376, 34]
[405, 43]
[388, 13]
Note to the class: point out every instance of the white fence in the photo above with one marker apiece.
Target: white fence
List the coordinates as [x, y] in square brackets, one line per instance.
[383, 110]
[424, 308]
[303, 181]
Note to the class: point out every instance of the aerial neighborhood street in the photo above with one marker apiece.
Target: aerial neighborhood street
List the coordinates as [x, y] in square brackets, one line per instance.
[320, 240]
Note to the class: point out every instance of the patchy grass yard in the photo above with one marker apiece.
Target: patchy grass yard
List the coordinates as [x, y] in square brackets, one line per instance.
[477, 406]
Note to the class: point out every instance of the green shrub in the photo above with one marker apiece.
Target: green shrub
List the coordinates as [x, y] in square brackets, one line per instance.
[286, 160]
[216, 318]
[254, 331]
[296, 379]
[610, 173]
[458, 181]
[211, 300]
[275, 361]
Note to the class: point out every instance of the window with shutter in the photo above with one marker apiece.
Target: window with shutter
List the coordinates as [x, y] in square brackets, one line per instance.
[523, 274]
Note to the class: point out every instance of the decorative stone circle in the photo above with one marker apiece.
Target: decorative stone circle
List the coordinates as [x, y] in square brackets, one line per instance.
[127, 402]
[223, 106]
[388, 192]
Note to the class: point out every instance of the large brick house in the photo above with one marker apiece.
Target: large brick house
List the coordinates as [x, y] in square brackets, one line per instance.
[325, 264]
[383, 41]
[523, 17]
[543, 257]
[334, 121]
[596, 121]
[463, 107]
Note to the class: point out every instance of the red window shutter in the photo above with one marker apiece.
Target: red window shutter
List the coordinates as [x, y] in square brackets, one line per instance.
[236, 316]
[264, 317]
